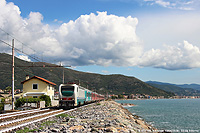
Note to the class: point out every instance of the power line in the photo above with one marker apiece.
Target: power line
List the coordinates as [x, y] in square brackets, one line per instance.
[39, 59]
[20, 51]
[16, 39]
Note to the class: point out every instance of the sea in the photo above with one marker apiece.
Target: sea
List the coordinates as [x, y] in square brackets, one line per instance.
[173, 115]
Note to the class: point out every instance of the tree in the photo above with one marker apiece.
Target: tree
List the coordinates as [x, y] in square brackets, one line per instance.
[20, 102]
[120, 96]
[8, 89]
[46, 99]
[2, 104]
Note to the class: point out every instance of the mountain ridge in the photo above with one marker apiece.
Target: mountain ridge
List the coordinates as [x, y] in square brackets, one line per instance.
[181, 90]
[111, 84]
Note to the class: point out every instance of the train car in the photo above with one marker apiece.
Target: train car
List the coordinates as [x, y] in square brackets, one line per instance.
[74, 95]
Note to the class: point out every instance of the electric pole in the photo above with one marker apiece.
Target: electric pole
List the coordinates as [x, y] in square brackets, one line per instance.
[13, 73]
[63, 75]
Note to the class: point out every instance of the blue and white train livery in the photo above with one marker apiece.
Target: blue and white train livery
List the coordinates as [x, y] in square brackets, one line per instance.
[74, 95]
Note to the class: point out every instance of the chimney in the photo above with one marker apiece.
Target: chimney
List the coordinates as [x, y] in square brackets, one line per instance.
[27, 77]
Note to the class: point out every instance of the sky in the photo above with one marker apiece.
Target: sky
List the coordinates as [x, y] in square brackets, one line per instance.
[155, 40]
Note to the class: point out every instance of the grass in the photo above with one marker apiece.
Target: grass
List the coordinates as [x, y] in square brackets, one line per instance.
[47, 123]
[98, 104]
[25, 130]
[65, 115]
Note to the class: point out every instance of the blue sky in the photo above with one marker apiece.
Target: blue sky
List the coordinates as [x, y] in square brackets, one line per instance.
[154, 40]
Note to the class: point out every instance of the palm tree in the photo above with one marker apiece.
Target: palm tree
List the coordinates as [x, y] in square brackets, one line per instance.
[8, 89]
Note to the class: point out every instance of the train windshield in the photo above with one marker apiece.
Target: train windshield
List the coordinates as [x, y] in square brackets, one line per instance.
[67, 90]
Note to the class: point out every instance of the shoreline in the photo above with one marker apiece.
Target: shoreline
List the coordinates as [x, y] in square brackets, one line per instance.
[171, 127]
[139, 120]
[154, 99]
[104, 116]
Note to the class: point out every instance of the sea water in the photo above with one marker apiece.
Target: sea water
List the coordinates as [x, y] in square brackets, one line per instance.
[177, 115]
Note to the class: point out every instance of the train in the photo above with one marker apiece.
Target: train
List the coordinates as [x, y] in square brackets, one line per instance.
[72, 94]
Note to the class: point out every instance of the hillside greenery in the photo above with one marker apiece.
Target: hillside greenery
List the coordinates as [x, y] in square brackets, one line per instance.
[104, 84]
[175, 89]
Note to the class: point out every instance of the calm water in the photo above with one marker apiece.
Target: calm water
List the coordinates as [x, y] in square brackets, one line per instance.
[168, 114]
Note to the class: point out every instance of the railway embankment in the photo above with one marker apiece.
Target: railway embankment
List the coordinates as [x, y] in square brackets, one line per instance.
[105, 116]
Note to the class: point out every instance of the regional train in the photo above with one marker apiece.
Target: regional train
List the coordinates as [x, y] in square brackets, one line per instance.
[75, 95]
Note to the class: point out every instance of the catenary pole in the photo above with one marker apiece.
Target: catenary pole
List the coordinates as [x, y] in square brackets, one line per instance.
[13, 72]
[63, 75]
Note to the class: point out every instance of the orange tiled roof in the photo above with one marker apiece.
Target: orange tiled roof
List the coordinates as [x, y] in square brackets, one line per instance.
[39, 79]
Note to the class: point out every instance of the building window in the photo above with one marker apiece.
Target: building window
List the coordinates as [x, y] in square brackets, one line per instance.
[35, 97]
[35, 86]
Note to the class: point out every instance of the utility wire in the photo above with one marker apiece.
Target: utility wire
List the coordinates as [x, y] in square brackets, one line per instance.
[20, 51]
[16, 39]
[33, 57]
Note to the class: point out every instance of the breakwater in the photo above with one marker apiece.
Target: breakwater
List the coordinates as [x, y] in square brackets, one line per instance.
[105, 116]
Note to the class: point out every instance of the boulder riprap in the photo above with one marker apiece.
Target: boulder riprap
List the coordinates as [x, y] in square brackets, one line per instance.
[105, 116]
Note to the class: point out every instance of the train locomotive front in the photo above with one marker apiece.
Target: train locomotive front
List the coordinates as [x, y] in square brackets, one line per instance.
[67, 95]
[74, 95]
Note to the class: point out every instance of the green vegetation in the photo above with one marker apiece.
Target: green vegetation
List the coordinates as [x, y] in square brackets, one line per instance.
[65, 115]
[175, 89]
[46, 99]
[8, 89]
[111, 84]
[26, 130]
[48, 123]
[2, 104]
[120, 96]
[22, 101]
[98, 103]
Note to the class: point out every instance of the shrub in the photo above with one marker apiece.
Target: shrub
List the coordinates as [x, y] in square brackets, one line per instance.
[20, 102]
[33, 100]
[46, 99]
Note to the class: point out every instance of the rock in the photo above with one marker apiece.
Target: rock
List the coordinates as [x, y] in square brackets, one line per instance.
[109, 116]
[111, 129]
[54, 130]
[94, 129]
[76, 127]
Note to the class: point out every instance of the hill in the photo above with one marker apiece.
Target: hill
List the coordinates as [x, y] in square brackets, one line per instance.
[192, 86]
[175, 88]
[112, 84]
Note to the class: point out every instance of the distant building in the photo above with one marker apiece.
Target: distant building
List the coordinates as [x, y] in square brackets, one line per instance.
[56, 95]
[17, 91]
[37, 86]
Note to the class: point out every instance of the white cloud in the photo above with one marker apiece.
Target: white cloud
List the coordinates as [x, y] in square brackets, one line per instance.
[94, 39]
[175, 4]
[162, 3]
[182, 56]
[56, 20]
[24, 57]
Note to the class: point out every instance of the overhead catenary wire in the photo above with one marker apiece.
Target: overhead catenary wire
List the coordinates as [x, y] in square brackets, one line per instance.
[33, 58]
[16, 39]
[22, 51]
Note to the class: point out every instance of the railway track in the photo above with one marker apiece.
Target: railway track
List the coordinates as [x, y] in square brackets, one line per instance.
[16, 120]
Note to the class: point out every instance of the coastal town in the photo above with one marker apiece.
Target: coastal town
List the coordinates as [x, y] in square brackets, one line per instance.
[98, 66]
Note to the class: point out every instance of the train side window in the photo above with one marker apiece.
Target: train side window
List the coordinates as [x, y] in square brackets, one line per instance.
[77, 89]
